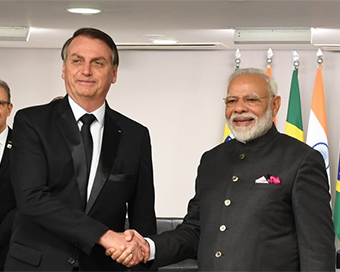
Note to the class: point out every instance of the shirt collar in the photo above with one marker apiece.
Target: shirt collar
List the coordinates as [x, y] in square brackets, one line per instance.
[78, 111]
[3, 136]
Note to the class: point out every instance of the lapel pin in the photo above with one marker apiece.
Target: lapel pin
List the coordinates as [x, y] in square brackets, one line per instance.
[9, 145]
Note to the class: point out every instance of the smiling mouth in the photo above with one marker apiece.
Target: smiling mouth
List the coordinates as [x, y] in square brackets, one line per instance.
[243, 121]
[86, 82]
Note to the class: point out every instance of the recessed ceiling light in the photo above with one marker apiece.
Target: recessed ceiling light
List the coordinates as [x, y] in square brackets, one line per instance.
[164, 41]
[84, 11]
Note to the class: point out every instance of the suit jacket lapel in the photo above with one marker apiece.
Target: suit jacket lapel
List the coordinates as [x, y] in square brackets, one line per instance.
[5, 157]
[70, 131]
[110, 143]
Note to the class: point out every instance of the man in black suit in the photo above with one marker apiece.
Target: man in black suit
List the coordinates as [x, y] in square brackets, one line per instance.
[75, 181]
[262, 200]
[7, 200]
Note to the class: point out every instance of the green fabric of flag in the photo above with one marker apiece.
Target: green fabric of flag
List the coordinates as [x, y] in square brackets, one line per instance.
[294, 127]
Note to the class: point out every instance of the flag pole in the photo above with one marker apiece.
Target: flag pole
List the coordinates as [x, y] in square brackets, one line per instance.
[270, 55]
[296, 61]
[237, 59]
[319, 54]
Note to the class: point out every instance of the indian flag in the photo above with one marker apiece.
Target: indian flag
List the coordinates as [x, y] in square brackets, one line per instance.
[294, 126]
[317, 126]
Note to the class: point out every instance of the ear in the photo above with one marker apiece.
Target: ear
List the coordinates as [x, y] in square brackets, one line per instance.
[115, 72]
[63, 71]
[275, 105]
[10, 107]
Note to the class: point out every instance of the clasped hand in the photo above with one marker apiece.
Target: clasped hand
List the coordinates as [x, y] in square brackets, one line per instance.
[128, 248]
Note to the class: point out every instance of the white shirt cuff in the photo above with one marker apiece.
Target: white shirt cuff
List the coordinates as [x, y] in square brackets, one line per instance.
[152, 249]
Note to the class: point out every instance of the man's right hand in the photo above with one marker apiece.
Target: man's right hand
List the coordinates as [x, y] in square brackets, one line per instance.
[126, 256]
[128, 251]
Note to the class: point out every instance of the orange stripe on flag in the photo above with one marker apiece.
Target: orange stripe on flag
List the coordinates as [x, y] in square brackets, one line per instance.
[269, 73]
[318, 101]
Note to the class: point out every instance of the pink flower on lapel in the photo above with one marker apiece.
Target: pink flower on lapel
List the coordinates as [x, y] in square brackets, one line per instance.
[274, 180]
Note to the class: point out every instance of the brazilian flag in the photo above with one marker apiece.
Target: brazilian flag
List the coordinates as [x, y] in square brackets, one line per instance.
[294, 126]
[337, 205]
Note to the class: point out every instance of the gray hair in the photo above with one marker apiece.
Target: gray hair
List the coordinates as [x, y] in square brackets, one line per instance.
[4, 85]
[272, 85]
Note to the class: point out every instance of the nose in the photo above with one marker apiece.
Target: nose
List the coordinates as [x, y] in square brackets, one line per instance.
[240, 106]
[86, 69]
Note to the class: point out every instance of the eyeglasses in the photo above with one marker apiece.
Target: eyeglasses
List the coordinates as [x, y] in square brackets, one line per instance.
[3, 103]
[249, 100]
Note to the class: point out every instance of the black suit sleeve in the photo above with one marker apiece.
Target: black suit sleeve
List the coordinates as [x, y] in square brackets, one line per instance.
[141, 212]
[6, 227]
[141, 207]
[312, 213]
[181, 243]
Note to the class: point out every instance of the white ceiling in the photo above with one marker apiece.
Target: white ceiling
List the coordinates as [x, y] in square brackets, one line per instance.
[187, 21]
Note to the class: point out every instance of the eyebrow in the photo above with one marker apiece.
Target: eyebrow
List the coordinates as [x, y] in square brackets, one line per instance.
[76, 55]
[93, 59]
[248, 94]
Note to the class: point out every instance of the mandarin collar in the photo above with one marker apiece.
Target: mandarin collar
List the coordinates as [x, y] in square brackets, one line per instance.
[262, 140]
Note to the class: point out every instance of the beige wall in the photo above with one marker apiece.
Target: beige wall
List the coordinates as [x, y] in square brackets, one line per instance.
[178, 96]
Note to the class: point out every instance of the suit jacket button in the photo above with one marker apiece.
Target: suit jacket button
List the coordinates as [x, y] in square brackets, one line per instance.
[242, 156]
[227, 202]
[218, 254]
[71, 261]
[235, 178]
[223, 228]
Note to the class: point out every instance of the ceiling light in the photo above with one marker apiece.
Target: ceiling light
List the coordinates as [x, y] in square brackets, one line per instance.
[14, 33]
[84, 11]
[177, 46]
[164, 41]
[269, 35]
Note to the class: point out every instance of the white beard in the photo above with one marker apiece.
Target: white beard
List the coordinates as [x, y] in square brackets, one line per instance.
[246, 133]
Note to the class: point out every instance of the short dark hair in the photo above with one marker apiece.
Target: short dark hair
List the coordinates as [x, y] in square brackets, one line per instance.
[4, 85]
[94, 34]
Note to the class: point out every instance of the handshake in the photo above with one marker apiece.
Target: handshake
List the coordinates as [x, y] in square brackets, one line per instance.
[128, 248]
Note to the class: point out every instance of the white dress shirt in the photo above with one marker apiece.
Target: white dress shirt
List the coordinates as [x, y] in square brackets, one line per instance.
[3, 138]
[97, 128]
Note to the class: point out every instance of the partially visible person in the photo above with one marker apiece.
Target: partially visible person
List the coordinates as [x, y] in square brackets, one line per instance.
[7, 199]
[262, 200]
[57, 98]
[79, 167]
